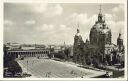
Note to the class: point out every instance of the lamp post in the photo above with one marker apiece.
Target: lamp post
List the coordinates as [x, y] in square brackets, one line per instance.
[27, 66]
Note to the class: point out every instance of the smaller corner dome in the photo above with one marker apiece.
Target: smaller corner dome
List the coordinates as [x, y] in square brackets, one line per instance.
[78, 33]
[120, 36]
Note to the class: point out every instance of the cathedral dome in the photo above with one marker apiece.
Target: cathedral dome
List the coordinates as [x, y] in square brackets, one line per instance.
[100, 32]
[78, 38]
[100, 26]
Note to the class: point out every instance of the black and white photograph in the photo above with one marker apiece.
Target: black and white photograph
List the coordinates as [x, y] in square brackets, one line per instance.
[64, 40]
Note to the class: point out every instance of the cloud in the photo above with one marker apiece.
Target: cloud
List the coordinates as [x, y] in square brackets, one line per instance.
[53, 10]
[30, 22]
[63, 33]
[78, 18]
[39, 8]
[63, 27]
[45, 27]
[59, 33]
[53, 29]
[8, 25]
[118, 8]
[109, 17]
[82, 18]
[46, 10]
[8, 22]
[57, 9]
[118, 13]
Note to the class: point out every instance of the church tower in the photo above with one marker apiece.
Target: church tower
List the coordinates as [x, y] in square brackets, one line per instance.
[77, 47]
[120, 43]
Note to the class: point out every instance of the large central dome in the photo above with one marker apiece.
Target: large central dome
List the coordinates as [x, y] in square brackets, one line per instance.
[100, 32]
[100, 25]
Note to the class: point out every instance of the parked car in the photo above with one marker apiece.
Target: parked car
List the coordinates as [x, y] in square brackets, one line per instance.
[18, 75]
[8, 74]
[26, 74]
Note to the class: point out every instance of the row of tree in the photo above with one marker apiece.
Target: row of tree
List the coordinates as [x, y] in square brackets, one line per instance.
[10, 64]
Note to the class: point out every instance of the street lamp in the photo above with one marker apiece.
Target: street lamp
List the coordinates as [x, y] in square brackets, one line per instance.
[27, 66]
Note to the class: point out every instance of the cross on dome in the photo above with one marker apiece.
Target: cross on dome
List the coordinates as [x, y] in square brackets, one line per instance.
[100, 9]
[78, 31]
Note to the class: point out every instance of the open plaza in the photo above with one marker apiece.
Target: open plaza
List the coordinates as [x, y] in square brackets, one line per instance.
[48, 68]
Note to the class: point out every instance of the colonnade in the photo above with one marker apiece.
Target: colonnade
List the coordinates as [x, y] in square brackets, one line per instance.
[29, 53]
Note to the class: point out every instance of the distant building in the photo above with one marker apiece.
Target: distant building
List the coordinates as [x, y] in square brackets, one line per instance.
[29, 53]
[26, 50]
[40, 46]
[32, 46]
[13, 46]
[27, 47]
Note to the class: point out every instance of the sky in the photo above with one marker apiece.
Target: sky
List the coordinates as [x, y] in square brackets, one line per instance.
[56, 23]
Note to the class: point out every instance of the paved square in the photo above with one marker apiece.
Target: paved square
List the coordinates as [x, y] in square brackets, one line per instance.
[47, 68]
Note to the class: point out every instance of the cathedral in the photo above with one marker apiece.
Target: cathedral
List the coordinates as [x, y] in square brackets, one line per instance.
[99, 49]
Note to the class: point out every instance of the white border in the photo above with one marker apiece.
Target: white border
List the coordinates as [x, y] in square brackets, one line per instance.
[1, 39]
[61, 1]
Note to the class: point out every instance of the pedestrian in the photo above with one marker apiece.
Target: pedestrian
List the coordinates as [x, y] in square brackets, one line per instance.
[107, 74]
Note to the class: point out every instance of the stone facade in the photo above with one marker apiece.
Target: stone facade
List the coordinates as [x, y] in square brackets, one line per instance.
[100, 36]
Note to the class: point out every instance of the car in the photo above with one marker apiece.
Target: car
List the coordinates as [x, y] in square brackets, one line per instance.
[22, 58]
[26, 74]
[108, 74]
[18, 75]
[8, 74]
